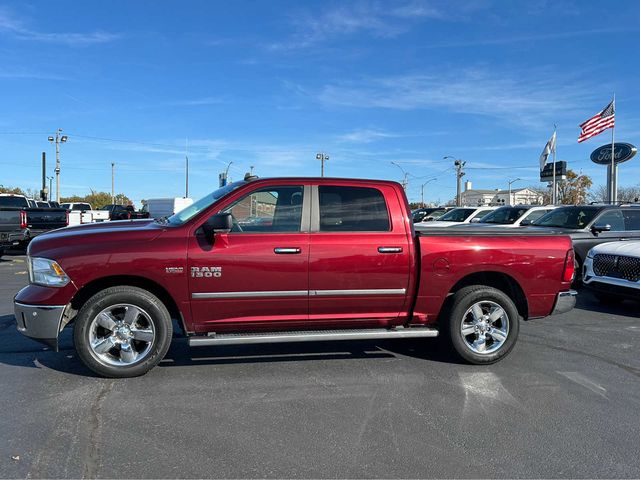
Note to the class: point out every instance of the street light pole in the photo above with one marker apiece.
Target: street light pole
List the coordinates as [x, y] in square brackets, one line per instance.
[510, 182]
[50, 187]
[59, 138]
[113, 183]
[322, 157]
[405, 180]
[422, 191]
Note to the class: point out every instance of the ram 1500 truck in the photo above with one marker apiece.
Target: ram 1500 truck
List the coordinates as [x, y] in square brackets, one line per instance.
[333, 259]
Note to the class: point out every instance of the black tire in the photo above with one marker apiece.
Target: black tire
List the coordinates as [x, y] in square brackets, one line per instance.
[459, 313]
[156, 324]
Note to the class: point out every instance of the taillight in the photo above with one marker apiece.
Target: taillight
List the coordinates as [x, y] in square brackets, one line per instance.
[569, 267]
[128, 215]
[23, 220]
[67, 219]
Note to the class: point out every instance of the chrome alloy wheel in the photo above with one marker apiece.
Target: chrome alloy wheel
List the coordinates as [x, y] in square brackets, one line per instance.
[485, 327]
[121, 335]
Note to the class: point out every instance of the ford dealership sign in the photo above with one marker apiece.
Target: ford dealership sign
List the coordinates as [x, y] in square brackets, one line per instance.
[623, 152]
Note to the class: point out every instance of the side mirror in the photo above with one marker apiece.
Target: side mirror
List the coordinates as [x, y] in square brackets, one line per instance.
[219, 223]
[475, 220]
[596, 229]
[526, 222]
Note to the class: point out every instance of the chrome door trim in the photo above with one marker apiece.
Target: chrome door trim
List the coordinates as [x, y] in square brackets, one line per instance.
[260, 294]
[300, 293]
[389, 249]
[350, 293]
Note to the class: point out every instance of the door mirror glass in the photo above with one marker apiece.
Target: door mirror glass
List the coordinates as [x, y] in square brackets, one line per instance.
[475, 220]
[526, 221]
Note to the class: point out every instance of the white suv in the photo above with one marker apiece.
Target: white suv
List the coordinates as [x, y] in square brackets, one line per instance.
[612, 271]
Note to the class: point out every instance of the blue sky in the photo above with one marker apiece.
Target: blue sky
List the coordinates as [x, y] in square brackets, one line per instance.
[270, 83]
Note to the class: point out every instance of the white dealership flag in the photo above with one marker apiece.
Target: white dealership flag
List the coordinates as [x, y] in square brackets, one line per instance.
[549, 148]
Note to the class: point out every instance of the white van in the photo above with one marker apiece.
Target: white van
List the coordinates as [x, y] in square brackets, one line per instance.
[165, 207]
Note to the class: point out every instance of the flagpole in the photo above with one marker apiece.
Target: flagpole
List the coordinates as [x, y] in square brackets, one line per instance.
[554, 194]
[613, 197]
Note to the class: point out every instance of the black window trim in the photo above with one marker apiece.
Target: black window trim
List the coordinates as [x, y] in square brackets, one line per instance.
[315, 212]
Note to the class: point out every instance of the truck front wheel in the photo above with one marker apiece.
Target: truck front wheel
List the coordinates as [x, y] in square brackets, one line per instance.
[122, 332]
[482, 324]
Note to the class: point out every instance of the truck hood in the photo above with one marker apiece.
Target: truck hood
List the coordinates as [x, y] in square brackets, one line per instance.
[123, 232]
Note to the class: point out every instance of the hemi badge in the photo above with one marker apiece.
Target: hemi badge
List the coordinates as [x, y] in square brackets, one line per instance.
[174, 269]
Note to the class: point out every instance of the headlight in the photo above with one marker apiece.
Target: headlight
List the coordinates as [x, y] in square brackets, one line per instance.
[45, 272]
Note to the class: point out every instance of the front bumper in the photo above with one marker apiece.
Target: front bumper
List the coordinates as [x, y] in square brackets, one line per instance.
[565, 301]
[40, 322]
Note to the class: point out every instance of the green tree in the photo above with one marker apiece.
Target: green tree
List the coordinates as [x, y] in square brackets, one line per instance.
[98, 199]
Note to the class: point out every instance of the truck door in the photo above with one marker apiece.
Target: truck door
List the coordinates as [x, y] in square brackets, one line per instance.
[359, 260]
[257, 275]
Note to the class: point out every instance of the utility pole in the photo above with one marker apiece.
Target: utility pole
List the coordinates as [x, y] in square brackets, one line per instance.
[113, 183]
[251, 172]
[322, 157]
[59, 138]
[459, 165]
[405, 176]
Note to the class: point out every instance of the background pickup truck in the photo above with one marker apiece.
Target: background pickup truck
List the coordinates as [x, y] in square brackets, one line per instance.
[124, 212]
[335, 260]
[80, 212]
[19, 223]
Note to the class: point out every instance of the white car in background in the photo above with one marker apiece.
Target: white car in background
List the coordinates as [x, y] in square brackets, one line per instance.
[612, 271]
[458, 216]
[514, 216]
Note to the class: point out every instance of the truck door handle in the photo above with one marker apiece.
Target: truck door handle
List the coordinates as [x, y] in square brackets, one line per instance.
[287, 250]
[389, 249]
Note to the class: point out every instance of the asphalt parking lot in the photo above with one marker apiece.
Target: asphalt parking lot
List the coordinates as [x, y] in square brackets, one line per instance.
[565, 403]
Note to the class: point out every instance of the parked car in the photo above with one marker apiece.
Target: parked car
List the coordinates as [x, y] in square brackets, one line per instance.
[82, 212]
[20, 222]
[591, 225]
[42, 204]
[612, 271]
[458, 216]
[364, 273]
[428, 214]
[514, 216]
[165, 207]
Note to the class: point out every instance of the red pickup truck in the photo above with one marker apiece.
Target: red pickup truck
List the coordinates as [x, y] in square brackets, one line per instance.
[331, 259]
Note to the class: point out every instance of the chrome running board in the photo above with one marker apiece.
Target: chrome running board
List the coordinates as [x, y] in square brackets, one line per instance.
[311, 336]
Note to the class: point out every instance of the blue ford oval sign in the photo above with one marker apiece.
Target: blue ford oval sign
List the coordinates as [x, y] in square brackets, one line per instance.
[623, 152]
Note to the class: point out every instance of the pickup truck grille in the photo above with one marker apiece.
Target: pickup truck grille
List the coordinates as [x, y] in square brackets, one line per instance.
[617, 266]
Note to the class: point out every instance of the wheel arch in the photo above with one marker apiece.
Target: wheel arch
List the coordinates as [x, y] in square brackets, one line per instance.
[99, 284]
[500, 281]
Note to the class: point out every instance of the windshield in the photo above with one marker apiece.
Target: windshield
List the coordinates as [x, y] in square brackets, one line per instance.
[504, 215]
[567, 217]
[205, 202]
[456, 215]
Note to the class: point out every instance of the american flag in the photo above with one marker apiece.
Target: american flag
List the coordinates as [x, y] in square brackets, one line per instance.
[598, 123]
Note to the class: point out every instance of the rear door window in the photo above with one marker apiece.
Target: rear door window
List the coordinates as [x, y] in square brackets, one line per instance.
[352, 209]
[632, 219]
[613, 218]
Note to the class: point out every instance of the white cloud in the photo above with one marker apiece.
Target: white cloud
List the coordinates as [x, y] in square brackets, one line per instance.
[366, 136]
[16, 28]
[378, 20]
[529, 98]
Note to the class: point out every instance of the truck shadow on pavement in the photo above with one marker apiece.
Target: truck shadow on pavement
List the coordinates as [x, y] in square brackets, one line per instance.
[20, 351]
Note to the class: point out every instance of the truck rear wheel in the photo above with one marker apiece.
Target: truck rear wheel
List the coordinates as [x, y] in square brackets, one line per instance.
[122, 332]
[482, 324]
